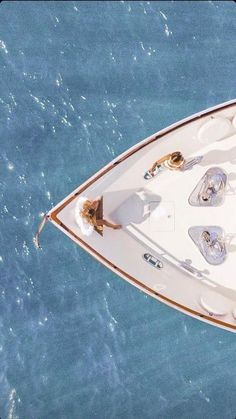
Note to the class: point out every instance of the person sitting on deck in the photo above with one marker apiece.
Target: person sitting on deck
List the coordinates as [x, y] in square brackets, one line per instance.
[86, 216]
[173, 161]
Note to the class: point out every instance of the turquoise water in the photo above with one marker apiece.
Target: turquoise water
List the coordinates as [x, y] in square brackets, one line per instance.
[80, 83]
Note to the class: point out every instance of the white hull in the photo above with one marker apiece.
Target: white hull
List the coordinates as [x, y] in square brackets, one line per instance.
[156, 217]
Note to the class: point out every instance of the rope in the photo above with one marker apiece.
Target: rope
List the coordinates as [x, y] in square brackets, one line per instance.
[40, 228]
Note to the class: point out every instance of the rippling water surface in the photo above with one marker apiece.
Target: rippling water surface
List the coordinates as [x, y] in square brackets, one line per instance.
[80, 83]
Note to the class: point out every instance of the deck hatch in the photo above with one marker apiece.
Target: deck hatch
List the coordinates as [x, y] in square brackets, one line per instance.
[210, 190]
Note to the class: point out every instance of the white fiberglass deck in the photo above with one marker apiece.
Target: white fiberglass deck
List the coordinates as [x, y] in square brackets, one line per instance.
[156, 216]
[170, 216]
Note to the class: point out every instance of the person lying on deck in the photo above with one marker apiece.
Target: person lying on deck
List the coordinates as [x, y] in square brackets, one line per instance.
[86, 216]
[172, 161]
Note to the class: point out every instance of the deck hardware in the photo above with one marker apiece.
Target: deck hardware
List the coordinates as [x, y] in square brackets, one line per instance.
[210, 240]
[210, 190]
[156, 263]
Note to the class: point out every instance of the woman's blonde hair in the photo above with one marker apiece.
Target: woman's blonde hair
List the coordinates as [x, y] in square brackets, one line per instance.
[175, 161]
[88, 213]
[177, 157]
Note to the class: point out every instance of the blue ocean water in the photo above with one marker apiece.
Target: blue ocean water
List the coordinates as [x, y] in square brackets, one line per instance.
[80, 83]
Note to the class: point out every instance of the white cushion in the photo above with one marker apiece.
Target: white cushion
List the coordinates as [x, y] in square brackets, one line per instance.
[214, 129]
[214, 303]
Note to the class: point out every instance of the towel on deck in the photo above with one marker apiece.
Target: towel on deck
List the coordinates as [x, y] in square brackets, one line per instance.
[86, 228]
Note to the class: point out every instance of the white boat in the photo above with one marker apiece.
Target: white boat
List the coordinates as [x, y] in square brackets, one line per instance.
[175, 245]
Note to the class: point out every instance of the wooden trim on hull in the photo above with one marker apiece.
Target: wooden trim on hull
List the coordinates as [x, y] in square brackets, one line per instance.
[53, 217]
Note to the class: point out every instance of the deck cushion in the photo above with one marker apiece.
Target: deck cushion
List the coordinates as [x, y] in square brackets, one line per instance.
[214, 303]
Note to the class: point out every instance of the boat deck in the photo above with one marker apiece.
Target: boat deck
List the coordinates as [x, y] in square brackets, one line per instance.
[156, 217]
[169, 215]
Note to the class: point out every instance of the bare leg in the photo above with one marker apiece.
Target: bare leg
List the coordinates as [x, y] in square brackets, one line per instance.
[159, 162]
[108, 224]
